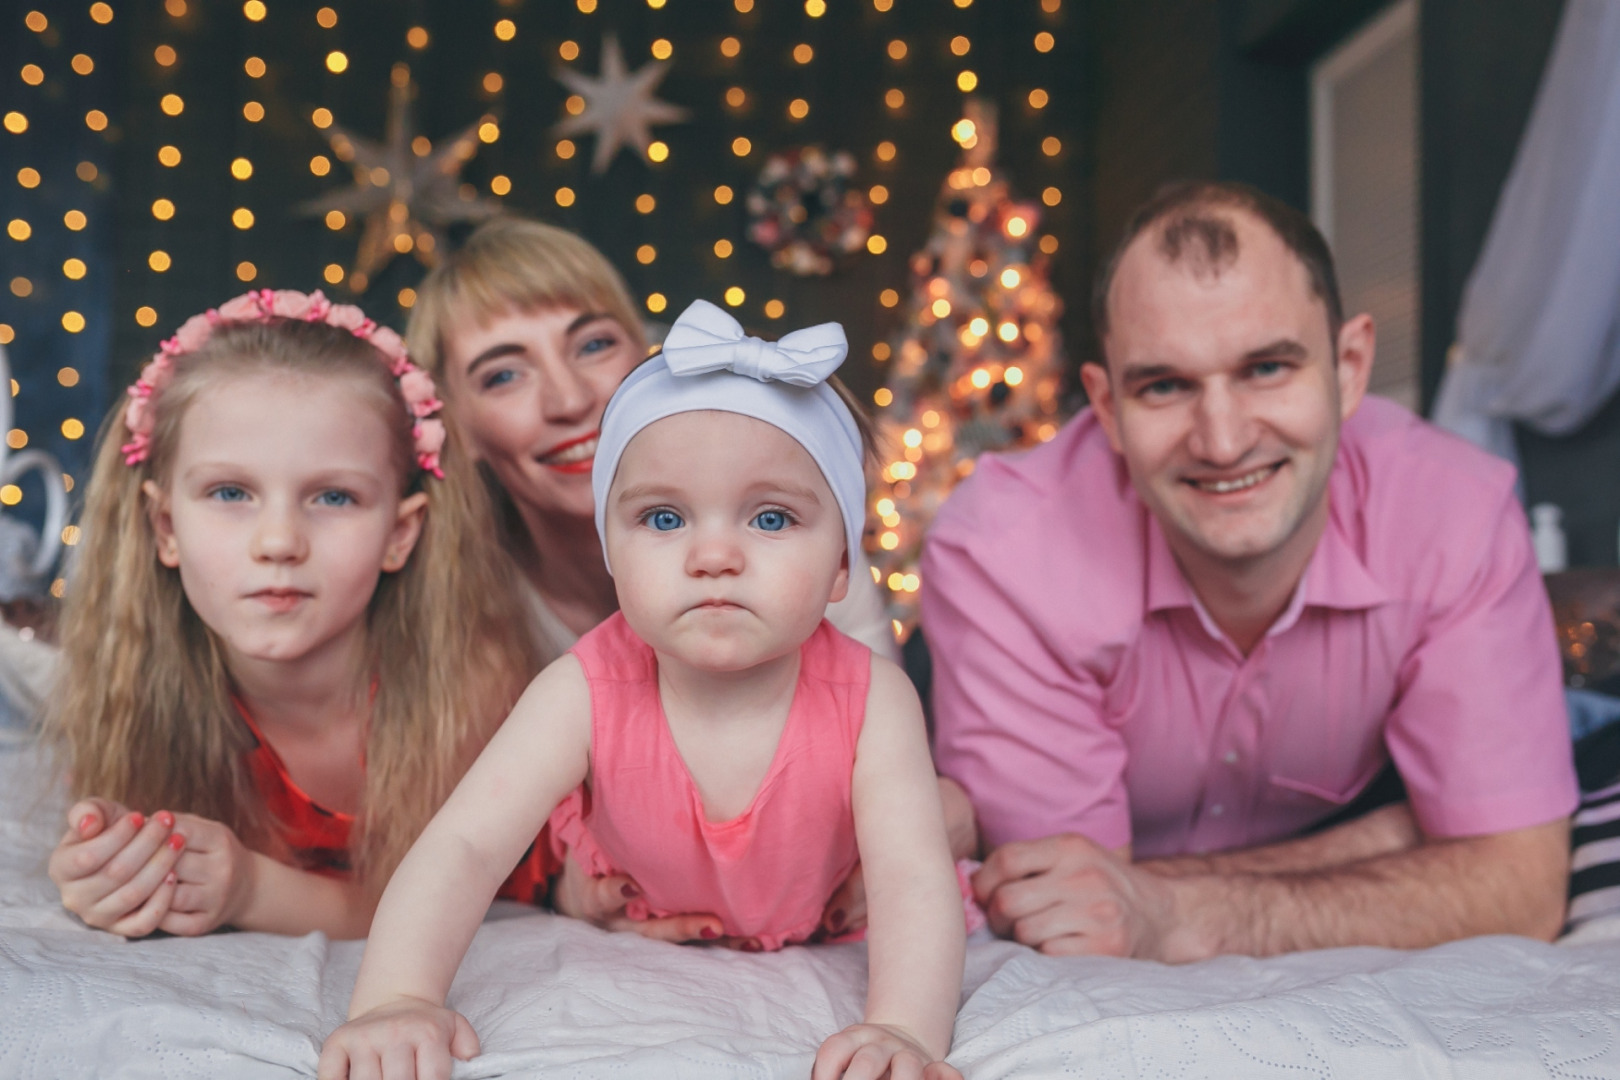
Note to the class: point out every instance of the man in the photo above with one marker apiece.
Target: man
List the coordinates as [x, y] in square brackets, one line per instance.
[1198, 621]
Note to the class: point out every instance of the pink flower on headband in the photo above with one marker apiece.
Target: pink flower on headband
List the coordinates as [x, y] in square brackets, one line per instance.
[262, 305]
[347, 316]
[417, 387]
[391, 346]
[193, 334]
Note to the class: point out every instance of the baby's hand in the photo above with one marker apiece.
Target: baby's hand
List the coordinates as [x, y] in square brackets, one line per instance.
[406, 1039]
[870, 1051]
[215, 878]
[115, 869]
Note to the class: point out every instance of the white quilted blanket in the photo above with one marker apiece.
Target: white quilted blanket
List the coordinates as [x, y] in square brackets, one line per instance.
[554, 998]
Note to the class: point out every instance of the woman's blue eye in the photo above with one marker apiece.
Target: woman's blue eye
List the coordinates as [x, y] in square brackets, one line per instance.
[664, 520]
[335, 498]
[771, 520]
[597, 344]
[228, 493]
[498, 378]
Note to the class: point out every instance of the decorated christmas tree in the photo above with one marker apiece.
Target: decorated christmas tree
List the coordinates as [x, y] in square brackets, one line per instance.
[977, 364]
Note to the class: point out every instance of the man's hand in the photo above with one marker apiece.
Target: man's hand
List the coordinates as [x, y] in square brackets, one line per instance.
[406, 1039]
[216, 880]
[1066, 896]
[601, 901]
[116, 869]
[870, 1051]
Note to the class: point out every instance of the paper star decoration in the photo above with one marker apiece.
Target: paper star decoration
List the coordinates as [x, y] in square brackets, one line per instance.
[619, 106]
[406, 189]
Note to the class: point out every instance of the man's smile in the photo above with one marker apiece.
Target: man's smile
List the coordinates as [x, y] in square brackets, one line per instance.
[1227, 485]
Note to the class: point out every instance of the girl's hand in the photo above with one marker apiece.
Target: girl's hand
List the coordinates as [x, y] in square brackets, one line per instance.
[116, 869]
[601, 901]
[870, 1051]
[215, 878]
[407, 1039]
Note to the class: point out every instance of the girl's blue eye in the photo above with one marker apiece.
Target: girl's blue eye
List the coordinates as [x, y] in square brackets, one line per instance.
[664, 520]
[335, 498]
[597, 344]
[498, 378]
[228, 493]
[771, 520]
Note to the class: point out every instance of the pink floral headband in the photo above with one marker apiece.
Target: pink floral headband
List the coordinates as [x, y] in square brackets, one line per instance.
[263, 305]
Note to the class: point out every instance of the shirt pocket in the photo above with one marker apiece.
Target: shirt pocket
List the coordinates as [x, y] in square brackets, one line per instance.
[1329, 789]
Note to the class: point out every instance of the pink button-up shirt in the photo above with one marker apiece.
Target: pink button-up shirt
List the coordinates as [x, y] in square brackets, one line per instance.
[1079, 686]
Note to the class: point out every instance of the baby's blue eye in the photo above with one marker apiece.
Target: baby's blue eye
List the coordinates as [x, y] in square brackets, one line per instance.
[228, 493]
[664, 520]
[771, 520]
[335, 498]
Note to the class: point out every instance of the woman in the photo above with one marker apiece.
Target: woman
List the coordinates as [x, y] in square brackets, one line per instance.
[528, 330]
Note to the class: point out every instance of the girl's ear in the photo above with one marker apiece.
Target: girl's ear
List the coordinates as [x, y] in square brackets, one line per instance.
[407, 531]
[840, 587]
[157, 512]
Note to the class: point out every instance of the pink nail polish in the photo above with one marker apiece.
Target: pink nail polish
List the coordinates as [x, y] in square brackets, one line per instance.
[164, 818]
[137, 819]
[169, 878]
[708, 933]
[85, 824]
[176, 841]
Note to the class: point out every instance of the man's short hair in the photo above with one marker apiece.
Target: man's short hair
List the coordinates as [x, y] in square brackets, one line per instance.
[1194, 228]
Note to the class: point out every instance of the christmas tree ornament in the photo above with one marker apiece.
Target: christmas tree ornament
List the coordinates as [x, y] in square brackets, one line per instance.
[977, 363]
[620, 109]
[407, 190]
[806, 212]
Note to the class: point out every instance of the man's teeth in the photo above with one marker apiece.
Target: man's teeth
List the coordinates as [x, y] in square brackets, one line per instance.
[578, 452]
[1222, 487]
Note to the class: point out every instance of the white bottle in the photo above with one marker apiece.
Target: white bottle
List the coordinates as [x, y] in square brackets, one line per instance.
[1547, 537]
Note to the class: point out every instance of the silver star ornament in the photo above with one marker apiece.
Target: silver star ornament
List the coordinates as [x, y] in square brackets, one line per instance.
[406, 189]
[619, 105]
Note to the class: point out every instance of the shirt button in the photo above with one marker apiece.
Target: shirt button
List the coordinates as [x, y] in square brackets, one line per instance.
[1231, 757]
[1217, 810]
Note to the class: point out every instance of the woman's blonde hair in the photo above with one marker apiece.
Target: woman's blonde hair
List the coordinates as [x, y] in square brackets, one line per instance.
[143, 712]
[512, 264]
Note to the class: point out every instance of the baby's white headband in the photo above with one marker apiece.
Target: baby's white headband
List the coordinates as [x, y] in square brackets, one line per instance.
[709, 363]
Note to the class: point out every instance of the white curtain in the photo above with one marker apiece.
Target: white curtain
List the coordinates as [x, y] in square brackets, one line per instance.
[1539, 330]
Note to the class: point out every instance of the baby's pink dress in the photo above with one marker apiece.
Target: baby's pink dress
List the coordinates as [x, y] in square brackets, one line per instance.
[767, 873]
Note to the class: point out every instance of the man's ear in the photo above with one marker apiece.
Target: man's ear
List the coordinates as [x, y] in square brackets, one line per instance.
[406, 532]
[1357, 344]
[1094, 377]
[157, 512]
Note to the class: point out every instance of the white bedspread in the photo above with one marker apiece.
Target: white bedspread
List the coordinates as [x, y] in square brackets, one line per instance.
[554, 998]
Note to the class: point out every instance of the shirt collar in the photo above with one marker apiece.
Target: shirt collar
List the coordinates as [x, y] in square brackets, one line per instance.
[1335, 578]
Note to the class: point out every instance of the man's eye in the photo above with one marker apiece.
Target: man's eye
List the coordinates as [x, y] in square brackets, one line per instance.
[1264, 369]
[771, 520]
[335, 498]
[228, 493]
[664, 520]
[1161, 388]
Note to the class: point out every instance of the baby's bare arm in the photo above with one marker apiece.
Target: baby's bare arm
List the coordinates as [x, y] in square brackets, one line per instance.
[438, 896]
[915, 940]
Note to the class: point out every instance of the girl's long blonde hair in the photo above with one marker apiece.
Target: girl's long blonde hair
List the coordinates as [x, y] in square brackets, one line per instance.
[142, 711]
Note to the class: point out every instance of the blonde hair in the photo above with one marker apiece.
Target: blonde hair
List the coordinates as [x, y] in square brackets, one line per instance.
[142, 711]
[512, 264]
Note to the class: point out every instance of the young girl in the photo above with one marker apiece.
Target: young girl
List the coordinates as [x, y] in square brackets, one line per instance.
[285, 635]
[738, 753]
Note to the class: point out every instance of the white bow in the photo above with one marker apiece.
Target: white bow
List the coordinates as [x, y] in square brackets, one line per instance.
[706, 339]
